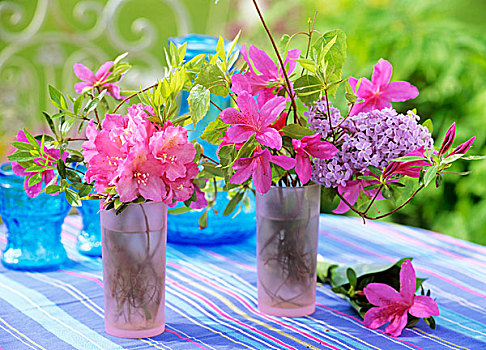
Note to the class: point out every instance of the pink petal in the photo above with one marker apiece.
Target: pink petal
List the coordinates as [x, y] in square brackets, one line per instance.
[408, 282]
[79, 87]
[271, 110]
[448, 139]
[127, 189]
[102, 72]
[424, 306]
[113, 90]
[397, 324]
[382, 73]
[154, 189]
[351, 193]
[32, 191]
[84, 73]
[378, 316]
[353, 82]
[380, 294]
[463, 148]
[239, 133]
[232, 116]
[240, 83]
[262, 178]
[245, 168]
[322, 150]
[285, 162]
[379, 103]
[269, 137]
[262, 62]
[366, 89]
[18, 170]
[398, 91]
[303, 167]
[289, 63]
[248, 107]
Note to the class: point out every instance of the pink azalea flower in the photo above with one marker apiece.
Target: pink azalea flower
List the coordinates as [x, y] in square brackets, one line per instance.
[258, 166]
[253, 120]
[171, 147]
[47, 175]
[393, 306]
[201, 201]
[310, 146]
[449, 139]
[378, 92]
[182, 188]
[263, 75]
[139, 174]
[96, 80]
[352, 190]
[411, 169]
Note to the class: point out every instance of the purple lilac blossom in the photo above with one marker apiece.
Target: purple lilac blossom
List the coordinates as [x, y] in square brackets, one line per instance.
[367, 139]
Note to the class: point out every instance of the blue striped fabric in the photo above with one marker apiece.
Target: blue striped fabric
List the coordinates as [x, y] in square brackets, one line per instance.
[211, 297]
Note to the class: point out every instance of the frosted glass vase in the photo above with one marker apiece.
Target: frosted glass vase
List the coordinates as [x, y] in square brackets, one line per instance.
[134, 248]
[287, 234]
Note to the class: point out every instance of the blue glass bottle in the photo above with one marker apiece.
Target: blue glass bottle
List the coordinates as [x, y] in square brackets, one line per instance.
[89, 238]
[34, 225]
[184, 228]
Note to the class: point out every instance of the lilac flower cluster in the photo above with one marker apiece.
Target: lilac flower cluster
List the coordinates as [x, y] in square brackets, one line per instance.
[371, 138]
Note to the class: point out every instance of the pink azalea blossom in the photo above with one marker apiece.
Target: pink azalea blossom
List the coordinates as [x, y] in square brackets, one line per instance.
[393, 306]
[352, 190]
[201, 201]
[96, 80]
[182, 188]
[263, 76]
[251, 119]
[47, 175]
[310, 146]
[171, 147]
[258, 166]
[379, 92]
[411, 169]
[139, 174]
[449, 139]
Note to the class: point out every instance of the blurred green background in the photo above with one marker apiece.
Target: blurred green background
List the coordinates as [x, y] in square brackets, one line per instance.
[439, 46]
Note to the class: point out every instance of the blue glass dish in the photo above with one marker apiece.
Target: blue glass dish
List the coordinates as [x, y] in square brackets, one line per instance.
[89, 238]
[34, 225]
[221, 229]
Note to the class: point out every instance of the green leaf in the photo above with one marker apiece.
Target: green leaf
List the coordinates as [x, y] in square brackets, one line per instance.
[78, 104]
[296, 131]
[199, 102]
[20, 156]
[474, 157]
[308, 89]
[352, 279]
[66, 126]
[180, 210]
[215, 131]
[213, 169]
[23, 145]
[74, 158]
[49, 121]
[72, 197]
[247, 148]
[233, 203]
[452, 158]
[31, 138]
[61, 168]
[462, 173]
[120, 57]
[307, 64]
[226, 154]
[85, 190]
[203, 220]
[283, 44]
[35, 179]
[55, 95]
[71, 175]
[408, 159]
[428, 124]
[51, 189]
[438, 181]
[429, 175]
[212, 78]
[430, 321]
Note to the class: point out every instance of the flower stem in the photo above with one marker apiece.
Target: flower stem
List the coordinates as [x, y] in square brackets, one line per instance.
[133, 95]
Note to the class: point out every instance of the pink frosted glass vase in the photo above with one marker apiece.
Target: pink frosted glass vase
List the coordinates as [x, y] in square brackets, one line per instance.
[134, 247]
[287, 232]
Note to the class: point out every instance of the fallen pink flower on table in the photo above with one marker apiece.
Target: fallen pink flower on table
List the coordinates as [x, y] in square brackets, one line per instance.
[93, 80]
[379, 92]
[394, 306]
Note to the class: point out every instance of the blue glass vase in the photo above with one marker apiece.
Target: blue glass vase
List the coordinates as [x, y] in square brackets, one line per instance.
[89, 238]
[184, 228]
[34, 225]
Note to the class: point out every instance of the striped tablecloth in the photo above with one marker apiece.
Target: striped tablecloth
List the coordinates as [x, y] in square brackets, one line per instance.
[211, 297]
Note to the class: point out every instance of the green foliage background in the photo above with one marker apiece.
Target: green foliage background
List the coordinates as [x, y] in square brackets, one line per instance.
[439, 46]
